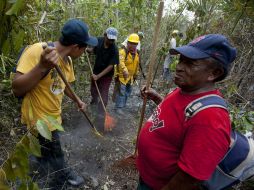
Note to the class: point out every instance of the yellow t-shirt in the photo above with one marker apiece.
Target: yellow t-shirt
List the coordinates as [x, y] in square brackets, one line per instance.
[45, 98]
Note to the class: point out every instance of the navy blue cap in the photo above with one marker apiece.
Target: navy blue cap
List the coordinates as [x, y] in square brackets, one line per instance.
[212, 45]
[76, 32]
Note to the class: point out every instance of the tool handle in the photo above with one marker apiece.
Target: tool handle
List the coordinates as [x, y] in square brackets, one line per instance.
[96, 85]
[76, 99]
[151, 65]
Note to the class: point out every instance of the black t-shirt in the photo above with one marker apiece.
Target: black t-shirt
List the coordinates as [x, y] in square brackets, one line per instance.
[105, 57]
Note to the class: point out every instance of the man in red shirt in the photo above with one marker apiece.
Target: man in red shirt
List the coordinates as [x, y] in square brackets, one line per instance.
[175, 153]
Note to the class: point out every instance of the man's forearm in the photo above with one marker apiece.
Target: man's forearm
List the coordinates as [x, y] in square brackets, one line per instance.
[182, 181]
[105, 71]
[157, 99]
[23, 83]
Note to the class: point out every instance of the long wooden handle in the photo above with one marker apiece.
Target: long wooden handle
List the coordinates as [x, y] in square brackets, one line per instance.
[151, 65]
[90, 66]
[74, 95]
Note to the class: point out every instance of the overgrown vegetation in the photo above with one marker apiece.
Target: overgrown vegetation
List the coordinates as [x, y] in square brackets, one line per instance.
[25, 22]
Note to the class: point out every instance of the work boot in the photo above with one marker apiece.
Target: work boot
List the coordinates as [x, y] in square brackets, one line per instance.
[74, 179]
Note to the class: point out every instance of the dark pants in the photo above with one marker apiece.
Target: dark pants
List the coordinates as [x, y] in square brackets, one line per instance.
[53, 156]
[103, 85]
[142, 185]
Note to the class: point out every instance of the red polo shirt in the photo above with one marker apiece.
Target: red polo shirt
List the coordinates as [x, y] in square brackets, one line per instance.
[168, 142]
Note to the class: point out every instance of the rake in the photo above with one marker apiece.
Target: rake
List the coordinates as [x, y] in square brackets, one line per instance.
[109, 122]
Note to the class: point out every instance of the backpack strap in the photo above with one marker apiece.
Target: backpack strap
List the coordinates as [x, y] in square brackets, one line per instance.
[232, 168]
[240, 150]
[126, 52]
[204, 102]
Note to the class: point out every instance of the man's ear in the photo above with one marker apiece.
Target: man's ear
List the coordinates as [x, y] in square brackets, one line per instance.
[76, 46]
[216, 73]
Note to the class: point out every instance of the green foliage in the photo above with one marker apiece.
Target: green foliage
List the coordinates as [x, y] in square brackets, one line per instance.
[172, 66]
[17, 164]
[54, 123]
[127, 16]
[43, 129]
[16, 7]
[242, 120]
[44, 124]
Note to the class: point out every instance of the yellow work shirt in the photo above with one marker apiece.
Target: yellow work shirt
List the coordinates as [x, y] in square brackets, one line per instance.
[127, 63]
[45, 98]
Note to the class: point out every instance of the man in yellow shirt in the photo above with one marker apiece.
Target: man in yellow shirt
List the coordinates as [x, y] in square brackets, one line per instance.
[42, 90]
[127, 71]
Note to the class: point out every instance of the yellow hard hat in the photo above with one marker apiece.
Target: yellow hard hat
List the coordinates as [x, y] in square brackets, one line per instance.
[134, 38]
[175, 32]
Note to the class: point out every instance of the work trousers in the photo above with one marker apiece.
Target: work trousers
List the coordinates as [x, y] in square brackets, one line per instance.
[52, 155]
[103, 86]
[122, 93]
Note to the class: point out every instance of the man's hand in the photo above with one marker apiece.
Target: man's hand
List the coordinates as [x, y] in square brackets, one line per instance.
[81, 105]
[125, 74]
[49, 58]
[95, 77]
[151, 94]
[182, 181]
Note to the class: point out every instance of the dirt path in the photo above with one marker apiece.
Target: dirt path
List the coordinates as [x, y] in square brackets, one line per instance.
[93, 156]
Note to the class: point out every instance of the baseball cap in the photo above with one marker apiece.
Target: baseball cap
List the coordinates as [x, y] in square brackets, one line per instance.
[141, 34]
[76, 32]
[216, 46]
[112, 33]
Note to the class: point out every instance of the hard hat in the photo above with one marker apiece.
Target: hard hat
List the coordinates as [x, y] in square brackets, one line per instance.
[133, 38]
[141, 34]
[175, 32]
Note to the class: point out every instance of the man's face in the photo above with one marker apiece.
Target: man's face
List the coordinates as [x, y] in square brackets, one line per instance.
[192, 75]
[109, 42]
[132, 47]
[77, 51]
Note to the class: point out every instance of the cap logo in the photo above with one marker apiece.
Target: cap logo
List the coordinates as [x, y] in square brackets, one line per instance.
[197, 39]
[112, 32]
[217, 54]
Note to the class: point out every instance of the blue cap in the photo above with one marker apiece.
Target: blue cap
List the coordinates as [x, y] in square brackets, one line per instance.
[112, 33]
[76, 32]
[212, 45]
